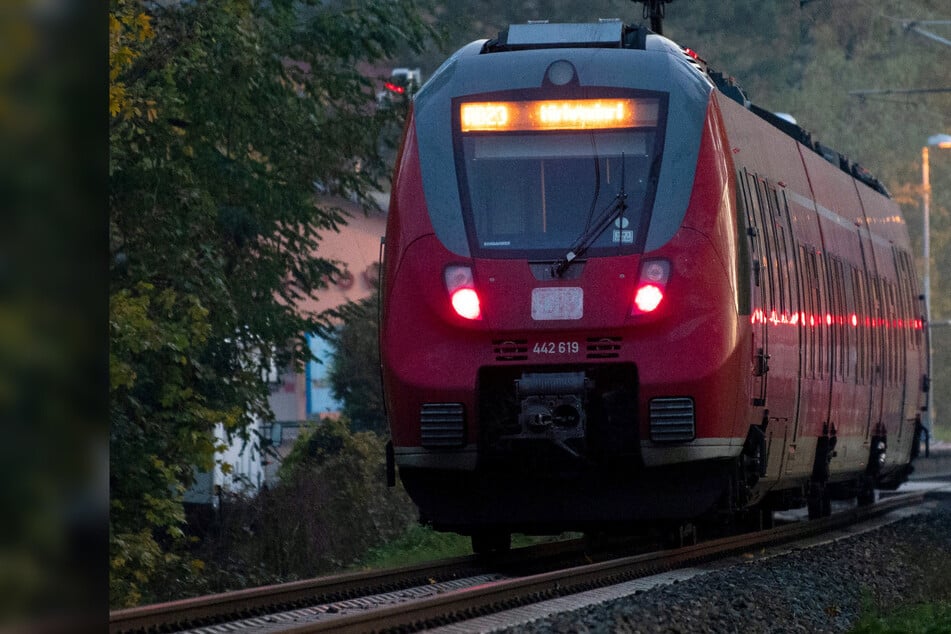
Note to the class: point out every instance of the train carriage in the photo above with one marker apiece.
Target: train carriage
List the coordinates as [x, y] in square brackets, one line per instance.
[616, 292]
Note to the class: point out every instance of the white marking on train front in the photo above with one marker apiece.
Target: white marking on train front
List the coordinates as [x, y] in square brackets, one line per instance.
[551, 303]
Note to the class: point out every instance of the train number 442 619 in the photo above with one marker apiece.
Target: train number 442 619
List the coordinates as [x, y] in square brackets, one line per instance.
[556, 347]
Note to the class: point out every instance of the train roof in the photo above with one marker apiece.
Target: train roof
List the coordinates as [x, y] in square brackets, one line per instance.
[612, 33]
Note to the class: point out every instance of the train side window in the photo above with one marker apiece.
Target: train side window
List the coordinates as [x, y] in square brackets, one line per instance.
[819, 349]
[873, 342]
[805, 307]
[756, 239]
[768, 259]
[828, 318]
[884, 347]
[783, 239]
[899, 298]
[843, 322]
[744, 242]
[901, 332]
[912, 295]
[884, 331]
[831, 320]
[837, 326]
[891, 348]
[857, 311]
[896, 334]
[810, 286]
[823, 349]
[875, 303]
[869, 328]
[906, 292]
[776, 204]
[744, 188]
[893, 331]
[851, 321]
[861, 309]
[751, 193]
[781, 255]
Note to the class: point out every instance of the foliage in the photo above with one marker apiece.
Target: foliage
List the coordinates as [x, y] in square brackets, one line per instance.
[421, 544]
[355, 370]
[330, 507]
[418, 544]
[223, 115]
[931, 618]
[129, 27]
[314, 447]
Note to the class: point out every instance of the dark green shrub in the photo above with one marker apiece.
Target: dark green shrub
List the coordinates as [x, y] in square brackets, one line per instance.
[331, 506]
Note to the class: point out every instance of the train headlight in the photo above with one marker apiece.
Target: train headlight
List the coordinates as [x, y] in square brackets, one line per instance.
[462, 293]
[651, 286]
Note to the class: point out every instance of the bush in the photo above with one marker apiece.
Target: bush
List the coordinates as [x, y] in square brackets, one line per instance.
[330, 508]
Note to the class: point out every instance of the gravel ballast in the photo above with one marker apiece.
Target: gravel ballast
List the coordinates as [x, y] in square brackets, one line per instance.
[825, 588]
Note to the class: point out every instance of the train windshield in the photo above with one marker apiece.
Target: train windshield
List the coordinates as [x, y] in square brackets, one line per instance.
[535, 180]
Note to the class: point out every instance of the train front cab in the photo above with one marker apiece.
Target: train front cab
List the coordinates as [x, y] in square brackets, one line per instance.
[558, 401]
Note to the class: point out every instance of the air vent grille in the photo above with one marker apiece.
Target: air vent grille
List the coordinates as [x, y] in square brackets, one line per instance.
[672, 419]
[510, 349]
[442, 425]
[604, 347]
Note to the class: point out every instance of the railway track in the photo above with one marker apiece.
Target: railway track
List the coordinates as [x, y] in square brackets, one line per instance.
[441, 593]
[336, 593]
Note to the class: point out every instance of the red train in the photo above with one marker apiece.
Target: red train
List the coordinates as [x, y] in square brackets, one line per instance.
[616, 292]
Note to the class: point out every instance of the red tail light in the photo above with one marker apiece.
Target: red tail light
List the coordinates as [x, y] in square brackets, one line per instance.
[648, 297]
[462, 293]
[651, 286]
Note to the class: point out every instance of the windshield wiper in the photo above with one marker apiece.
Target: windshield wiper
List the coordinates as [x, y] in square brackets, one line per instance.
[593, 232]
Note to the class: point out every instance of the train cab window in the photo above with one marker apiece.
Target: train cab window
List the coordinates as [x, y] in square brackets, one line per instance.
[534, 188]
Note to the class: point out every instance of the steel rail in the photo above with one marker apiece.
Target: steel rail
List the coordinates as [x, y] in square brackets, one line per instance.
[281, 596]
[268, 599]
[469, 603]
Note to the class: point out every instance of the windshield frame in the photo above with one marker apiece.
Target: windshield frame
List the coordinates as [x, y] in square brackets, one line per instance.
[556, 252]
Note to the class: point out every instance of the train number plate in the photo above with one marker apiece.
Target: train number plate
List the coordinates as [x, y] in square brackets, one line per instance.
[556, 347]
[557, 303]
